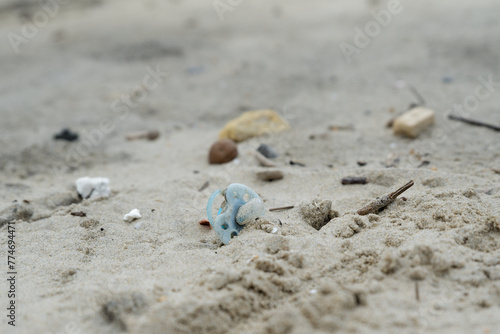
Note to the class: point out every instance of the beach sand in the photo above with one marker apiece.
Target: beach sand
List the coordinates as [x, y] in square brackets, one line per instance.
[104, 69]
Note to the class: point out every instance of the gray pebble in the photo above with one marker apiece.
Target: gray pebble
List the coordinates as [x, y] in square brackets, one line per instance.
[267, 151]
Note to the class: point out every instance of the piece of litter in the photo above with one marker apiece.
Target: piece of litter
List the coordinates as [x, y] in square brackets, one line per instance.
[274, 230]
[413, 122]
[67, 135]
[93, 187]
[132, 215]
[242, 205]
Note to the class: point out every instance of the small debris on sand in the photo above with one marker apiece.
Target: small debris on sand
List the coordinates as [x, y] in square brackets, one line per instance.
[66, 135]
[79, 214]
[267, 151]
[270, 175]
[222, 151]
[132, 215]
[354, 180]
[149, 135]
[93, 187]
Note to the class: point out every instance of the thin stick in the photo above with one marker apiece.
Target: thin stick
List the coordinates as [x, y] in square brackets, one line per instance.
[417, 292]
[204, 186]
[282, 208]
[382, 202]
[474, 122]
[417, 95]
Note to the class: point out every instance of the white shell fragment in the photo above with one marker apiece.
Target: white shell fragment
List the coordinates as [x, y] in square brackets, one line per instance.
[132, 215]
[93, 187]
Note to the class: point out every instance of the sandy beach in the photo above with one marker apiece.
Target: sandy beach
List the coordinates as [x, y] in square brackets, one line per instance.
[336, 72]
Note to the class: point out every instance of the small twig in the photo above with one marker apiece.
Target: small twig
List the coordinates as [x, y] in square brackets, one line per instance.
[79, 214]
[474, 122]
[282, 208]
[417, 95]
[340, 127]
[149, 135]
[354, 180]
[417, 292]
[204, 186]
[381, 202]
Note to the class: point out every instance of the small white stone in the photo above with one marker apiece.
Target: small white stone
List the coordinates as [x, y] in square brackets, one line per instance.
[137, 226]
[93, 187]
[413, 122]
[274, 230]
[134, 214]
[313, 291]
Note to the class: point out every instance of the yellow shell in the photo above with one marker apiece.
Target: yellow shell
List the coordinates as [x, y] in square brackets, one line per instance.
[252, 124]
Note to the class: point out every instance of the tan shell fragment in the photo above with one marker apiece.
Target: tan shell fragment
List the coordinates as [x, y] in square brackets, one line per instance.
[252, 124]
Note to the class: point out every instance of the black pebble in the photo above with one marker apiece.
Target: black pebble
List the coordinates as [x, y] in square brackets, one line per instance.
[67, 135]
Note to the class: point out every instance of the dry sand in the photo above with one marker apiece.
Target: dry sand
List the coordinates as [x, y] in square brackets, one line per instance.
[427, 265]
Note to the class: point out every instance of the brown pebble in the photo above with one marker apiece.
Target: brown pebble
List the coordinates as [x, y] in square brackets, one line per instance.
[79, 214]
[204, 222]
[222, 151]
[270, 175]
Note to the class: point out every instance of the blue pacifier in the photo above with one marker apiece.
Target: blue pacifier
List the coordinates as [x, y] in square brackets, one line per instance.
[242, 205]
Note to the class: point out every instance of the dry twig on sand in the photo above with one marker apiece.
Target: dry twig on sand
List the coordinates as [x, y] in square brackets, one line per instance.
[383, 201]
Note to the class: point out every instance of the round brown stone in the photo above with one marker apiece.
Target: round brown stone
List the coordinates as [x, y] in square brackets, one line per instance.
[222, 151]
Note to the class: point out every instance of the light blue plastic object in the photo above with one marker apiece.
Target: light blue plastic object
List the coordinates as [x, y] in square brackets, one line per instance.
[242, 205]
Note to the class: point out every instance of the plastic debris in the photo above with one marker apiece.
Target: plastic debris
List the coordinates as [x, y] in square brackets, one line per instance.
[241, 206]
[132, 215]
[93, 187]
[252, 124]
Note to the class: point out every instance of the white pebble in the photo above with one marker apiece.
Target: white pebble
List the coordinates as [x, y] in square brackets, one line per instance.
[134, 214]
[413, 122]
[93, 187]
[274, 230]
[137, 226]
[313, 291]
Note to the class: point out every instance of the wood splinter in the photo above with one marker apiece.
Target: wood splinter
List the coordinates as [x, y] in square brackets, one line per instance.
[383, 201]
[282, 208]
